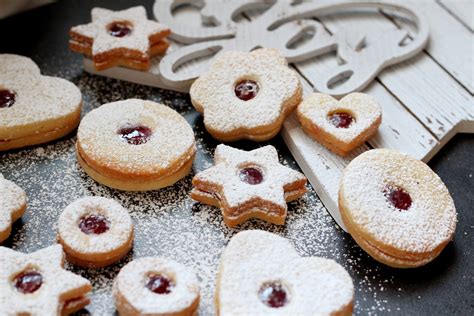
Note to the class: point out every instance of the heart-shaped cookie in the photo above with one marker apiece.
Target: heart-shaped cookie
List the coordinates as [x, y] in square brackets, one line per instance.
[261, 274]
[34, 109]
[12, 206]
[341, 125]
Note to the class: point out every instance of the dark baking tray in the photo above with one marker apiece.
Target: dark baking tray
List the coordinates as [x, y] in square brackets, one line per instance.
[168, 223]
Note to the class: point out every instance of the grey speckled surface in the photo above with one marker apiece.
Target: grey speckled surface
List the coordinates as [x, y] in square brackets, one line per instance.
[169, 223]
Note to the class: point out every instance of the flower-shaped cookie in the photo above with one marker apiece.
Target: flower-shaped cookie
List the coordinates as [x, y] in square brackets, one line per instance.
[341, 125]
[246, 95]
[37, 284]
[34, 109]
[246, 184]
[260, 273]
[12, 206]
[120, 38]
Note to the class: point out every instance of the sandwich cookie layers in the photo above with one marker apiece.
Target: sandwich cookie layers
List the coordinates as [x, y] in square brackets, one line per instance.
[37, 284]
[95, 232]
[120, 38]
[248, 184]
[396, 208]
[12, 206]
[135, 145]
[340, 125]
[156, 286]
[34, 109]
[246, 95]
[260, 273]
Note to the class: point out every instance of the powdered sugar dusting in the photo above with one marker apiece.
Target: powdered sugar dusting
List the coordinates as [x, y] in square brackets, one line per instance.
[365, 110]
[12, 198]
[429, 221]
[132, 278]
[213, 93]
[117, 235]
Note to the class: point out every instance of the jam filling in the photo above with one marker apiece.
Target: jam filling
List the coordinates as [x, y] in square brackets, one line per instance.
[94, 224]
[246, 90]
[398, 197]
[251, 175]
[119, 29]
[341, 119]
[7, 98]
[273, 295]
[28, 282]
[135, 134]
[159, 284]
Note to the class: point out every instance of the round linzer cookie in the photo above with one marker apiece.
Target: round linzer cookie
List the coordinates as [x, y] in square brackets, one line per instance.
[248, 184]
[34, 109]
[135, 145]
[95, 232]
[156, 286]
[396, 208]
[340, 125]
[37, 284]
[120, 38]
[12, 206]
[260, 273]
[246, 95]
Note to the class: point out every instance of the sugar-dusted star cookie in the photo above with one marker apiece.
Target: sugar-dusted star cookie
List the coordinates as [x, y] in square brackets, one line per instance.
[120, 38]
[247, 184]
[12, 206]
[37, 284]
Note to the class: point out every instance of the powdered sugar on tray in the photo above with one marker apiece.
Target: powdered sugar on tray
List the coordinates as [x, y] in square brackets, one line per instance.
[167, 222]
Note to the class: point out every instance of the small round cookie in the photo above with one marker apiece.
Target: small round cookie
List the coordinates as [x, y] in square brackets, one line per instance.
[34, 109]
[341, 125]
[135, 145]
[246, 95]
[396, 208]
[12, 206]
[95, 232]
[156, 286]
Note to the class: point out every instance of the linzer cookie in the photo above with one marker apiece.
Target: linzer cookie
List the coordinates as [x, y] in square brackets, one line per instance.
[95, 232]
[246, 95]
[37, 284]
[156, 286]
[248, 185]
[260, 273]
[120, 38]
[135, 145]
[341, 125]
[12, 206]
[34, 109]
[396, 208]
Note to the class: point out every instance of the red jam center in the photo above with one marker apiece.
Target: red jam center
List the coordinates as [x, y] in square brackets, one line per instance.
[28, 282]
[251, 175]
[7, 98]
[94, 224]
[135, 134]
[119, 29]
[246, 89]
[341, 119]
[273, 295]
[398, 197]
[159, 284]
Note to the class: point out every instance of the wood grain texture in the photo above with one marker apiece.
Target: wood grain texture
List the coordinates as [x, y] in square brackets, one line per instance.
[462, 9]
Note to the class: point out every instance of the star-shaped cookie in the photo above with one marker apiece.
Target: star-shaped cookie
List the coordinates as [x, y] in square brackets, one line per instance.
[120, 38]
[37, 284]
[12, 206]
[248, 184]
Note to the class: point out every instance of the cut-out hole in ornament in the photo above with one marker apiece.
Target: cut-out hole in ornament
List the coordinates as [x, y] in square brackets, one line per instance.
[303, 37]
[189, 12]
[339, 79]
[405, 42]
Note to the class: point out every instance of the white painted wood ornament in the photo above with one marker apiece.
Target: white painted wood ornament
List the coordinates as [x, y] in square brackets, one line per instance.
[421, 112]
[283, 24]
